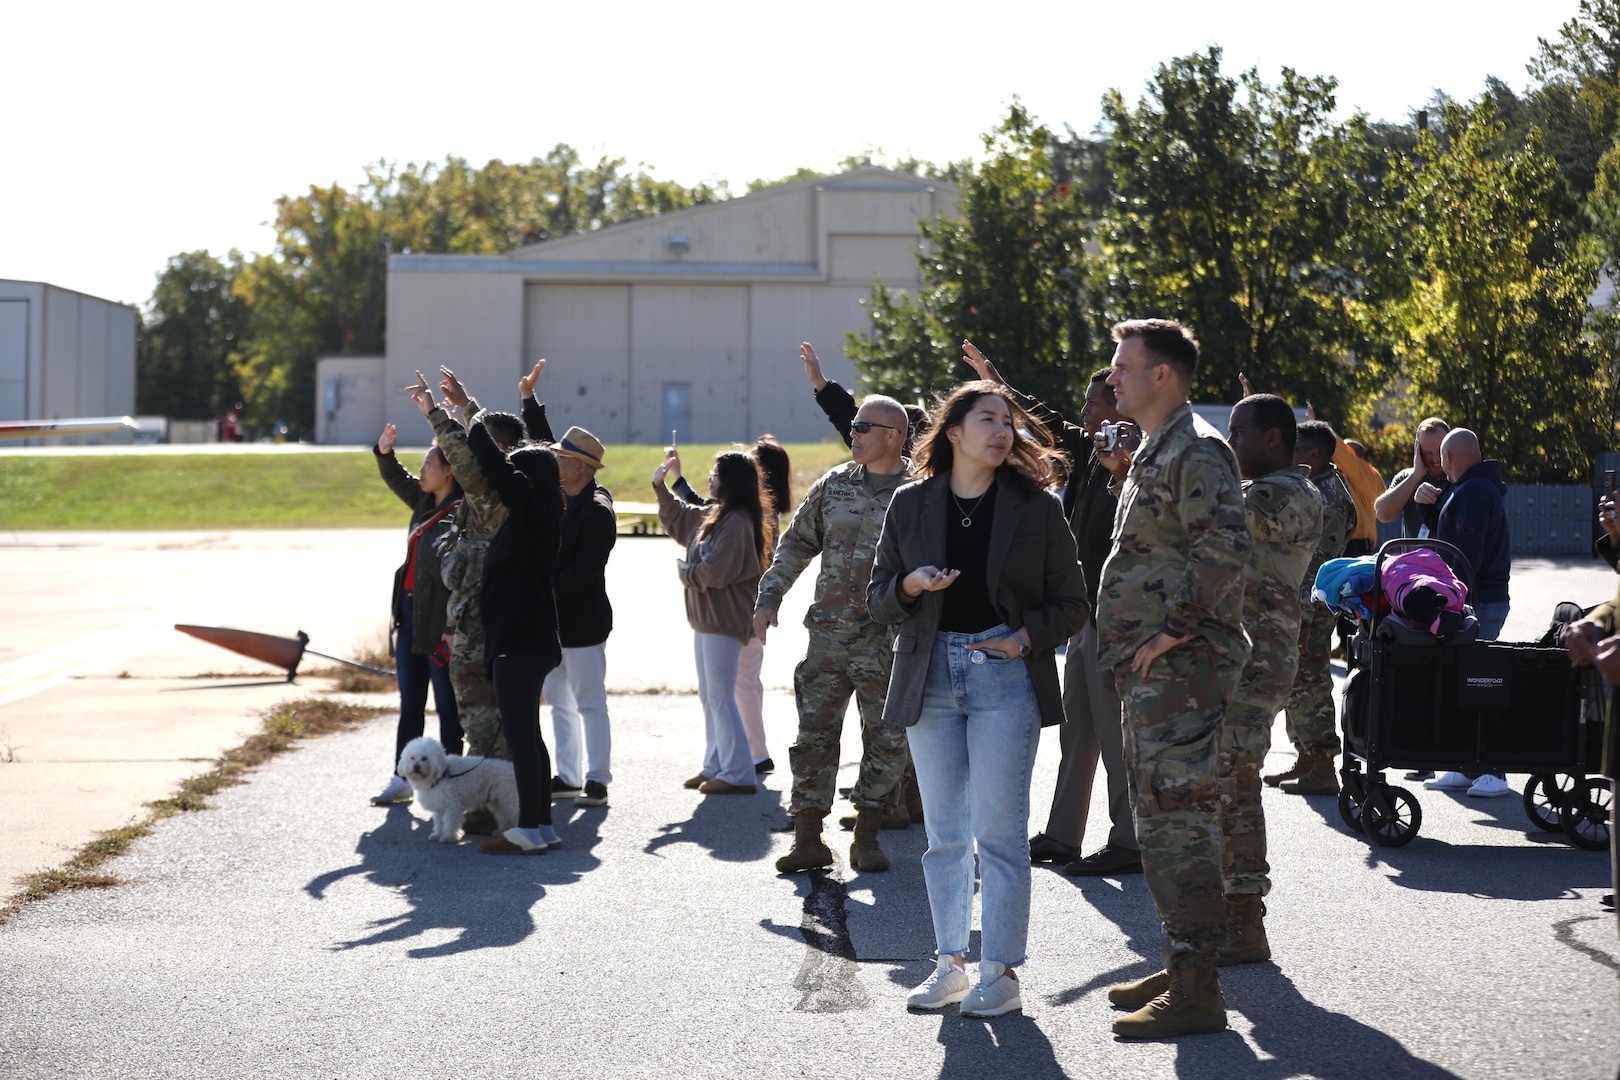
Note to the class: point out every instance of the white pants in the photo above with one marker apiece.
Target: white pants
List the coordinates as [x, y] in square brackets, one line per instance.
[751, 697]
[577, 692]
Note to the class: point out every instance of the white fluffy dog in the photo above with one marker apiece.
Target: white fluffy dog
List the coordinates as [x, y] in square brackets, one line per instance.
[449, 786]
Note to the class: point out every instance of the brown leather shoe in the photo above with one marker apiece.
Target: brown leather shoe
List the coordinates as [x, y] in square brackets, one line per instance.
[696, 782]
[720, 787]
[500, 845]
[479, 822]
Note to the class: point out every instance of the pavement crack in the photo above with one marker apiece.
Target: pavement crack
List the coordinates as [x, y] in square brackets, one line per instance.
[829, 977]
[1564, 932]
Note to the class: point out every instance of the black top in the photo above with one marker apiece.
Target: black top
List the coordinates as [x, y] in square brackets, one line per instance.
[968, 609]
[589, 530]
[520, 612]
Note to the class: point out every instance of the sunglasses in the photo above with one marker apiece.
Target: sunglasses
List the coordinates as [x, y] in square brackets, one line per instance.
[861, 427]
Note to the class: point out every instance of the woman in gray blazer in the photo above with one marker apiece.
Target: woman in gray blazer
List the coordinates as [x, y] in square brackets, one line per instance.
[979, 568]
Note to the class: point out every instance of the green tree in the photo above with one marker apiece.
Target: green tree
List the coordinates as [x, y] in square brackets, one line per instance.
[1010, 272]
[1237, 207]
[192, 327]
[1488, 328]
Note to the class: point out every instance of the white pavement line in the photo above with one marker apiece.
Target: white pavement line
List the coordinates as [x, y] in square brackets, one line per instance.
[82, 656]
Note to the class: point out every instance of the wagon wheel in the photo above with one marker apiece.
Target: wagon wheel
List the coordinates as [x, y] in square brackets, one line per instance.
[1350, 810]
[1543, 795]
[1585, 814]
[1397, 827]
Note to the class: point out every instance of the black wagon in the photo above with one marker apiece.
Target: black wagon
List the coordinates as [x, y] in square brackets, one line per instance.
[1414, 702]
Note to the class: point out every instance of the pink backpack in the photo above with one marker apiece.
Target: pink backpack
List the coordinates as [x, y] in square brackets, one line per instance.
[1420, 585]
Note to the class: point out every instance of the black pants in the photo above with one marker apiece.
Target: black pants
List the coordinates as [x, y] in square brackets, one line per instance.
[414, 672]
[518, 678]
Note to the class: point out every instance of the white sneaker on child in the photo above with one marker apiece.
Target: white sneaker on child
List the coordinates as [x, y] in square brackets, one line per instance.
[1448, 781]
[1488, 787]
[946, 986]
[397, 791]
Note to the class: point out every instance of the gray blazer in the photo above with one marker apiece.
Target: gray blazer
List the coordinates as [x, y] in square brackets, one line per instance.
[1035, 580]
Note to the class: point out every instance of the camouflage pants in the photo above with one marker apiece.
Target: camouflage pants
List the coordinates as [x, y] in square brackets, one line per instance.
[839, 663]
[475, 694]
[1173, 721]
[1312, 723]
[1245, 741]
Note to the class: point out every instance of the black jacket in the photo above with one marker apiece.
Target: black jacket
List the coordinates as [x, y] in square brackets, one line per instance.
[1474, 518]
[519, 609]
[431, 596]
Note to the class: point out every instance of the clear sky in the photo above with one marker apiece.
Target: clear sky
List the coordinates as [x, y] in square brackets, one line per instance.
[136, 131]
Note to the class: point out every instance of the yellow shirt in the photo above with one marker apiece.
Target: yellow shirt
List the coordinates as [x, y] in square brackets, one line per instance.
[1365, 486]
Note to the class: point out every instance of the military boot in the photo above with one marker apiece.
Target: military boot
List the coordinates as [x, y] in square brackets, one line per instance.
[893, 820]
[865, 854]
[809, 853]
[1245, 932]
[1273, 779]
[1318, 777]
[1191, 1005]
[1134, 995]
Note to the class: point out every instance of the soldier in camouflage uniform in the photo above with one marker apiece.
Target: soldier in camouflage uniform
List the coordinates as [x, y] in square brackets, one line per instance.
[1170, 624]
[1284, 512]
[461, 556]
[840, 520]
[1312, 722]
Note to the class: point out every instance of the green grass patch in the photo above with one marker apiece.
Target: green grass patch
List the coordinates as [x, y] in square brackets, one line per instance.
[278, 491]
[284, 725]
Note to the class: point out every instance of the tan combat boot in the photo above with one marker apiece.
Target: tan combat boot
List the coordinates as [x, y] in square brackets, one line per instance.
[809, 853]
[893, 820]
[1134, 995]
[1318, 778]
[1245, 932]
[865, 854]
[1273, 779]
[1192, 1005]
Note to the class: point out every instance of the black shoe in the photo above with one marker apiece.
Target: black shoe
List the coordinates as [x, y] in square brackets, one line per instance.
[560, 790]
[1043, 848]
[595, 794]
[1420, 774]
[764, 767]
[1106, 861]
[1608, 900]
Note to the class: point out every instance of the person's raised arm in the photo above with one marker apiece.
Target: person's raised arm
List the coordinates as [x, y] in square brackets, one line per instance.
[835, 401]
[535, 423]
[396, 476]
[1389, 504]
[512, 487]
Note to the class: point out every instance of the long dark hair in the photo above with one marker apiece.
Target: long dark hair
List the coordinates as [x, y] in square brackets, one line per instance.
[1029, 460]
[742, 490]
[773, 462]
[539, 464]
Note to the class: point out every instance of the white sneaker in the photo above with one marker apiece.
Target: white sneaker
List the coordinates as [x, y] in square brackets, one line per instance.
[997, 992]
[946, 986]
[1448, 781]
[1488, 787]
[397, 791]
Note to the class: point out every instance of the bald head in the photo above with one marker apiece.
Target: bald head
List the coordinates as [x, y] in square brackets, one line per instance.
[1459, 452]
[883, 410]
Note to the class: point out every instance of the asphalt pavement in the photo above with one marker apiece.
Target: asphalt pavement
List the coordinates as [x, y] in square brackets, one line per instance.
[293, 930]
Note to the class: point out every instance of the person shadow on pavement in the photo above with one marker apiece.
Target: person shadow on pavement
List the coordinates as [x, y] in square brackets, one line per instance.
[734, 828]
[1011, 1045]
[487, 899]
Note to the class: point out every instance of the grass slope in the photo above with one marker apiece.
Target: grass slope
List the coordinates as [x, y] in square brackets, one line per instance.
[278, 491]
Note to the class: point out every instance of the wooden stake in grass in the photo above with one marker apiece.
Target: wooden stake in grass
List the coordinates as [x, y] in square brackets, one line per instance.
[283, 727]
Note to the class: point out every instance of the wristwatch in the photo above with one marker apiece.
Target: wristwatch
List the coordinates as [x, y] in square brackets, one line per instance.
[1022, 637]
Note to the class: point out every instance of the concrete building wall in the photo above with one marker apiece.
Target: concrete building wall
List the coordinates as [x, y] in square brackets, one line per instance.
[641, 335]
[65, 355]
[349, 408]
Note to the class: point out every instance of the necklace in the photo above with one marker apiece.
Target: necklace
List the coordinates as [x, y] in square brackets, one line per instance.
[967, 515]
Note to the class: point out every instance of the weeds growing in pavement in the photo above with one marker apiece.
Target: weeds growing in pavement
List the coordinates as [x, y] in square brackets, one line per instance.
[283, 726]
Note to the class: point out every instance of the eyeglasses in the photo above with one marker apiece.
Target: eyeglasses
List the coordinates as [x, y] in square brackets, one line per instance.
[861, 427]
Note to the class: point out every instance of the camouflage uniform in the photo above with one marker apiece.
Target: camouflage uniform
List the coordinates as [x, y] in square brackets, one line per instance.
[840, 520]
[1312, 723]
[1285, 518]
[461, 556]
[1180, 542]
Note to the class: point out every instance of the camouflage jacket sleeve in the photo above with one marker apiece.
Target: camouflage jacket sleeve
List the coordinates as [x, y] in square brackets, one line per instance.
[453, 442]
[1338, 515]
[1210, 507]
[801, 542]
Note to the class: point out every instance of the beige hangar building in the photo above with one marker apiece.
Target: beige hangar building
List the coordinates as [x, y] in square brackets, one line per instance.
[690, 321]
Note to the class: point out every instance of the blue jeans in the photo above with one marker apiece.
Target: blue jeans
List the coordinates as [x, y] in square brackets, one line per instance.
[414, 672]
[974, 749]
[725, 740]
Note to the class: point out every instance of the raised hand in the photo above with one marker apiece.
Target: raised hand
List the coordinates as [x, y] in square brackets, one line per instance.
[385, 443]
[526, 382]
[451, 388]
[424, 400]
[1243, 381]
[980, 363]
[812, 366]
[671, 463]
